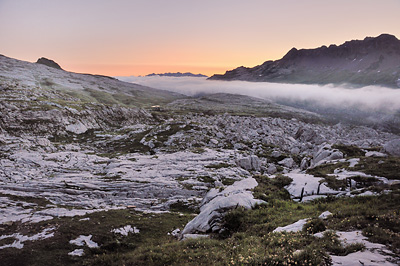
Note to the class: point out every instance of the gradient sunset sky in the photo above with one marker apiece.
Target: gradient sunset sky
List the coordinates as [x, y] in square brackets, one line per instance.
[138, 37]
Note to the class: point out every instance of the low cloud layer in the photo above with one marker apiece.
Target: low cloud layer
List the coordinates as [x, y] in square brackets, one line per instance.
[370, 98]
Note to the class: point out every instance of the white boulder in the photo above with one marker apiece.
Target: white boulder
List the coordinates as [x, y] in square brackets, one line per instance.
[287, 162]
[392, 147]
[216, 204]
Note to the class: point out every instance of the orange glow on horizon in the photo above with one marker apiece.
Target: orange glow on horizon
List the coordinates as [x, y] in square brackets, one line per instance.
[136, 37]
[142, 70]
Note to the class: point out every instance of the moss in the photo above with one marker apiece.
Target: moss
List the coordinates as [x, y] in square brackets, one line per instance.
[314, 226]
[218, 165]
[384, 167]
[206, 179]
[349, 150]
[270, 189]
[38, 201]
[334, 183]
[228, 181]
[54, 251]
[183, 207]
[324, 169]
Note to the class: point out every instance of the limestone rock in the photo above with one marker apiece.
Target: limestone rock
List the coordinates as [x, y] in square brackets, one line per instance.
[216, 204]
[326, 153]
[77, 128]
[249, 163]
[305, 163]
[393, 147]
[287, 162]
[272, 169]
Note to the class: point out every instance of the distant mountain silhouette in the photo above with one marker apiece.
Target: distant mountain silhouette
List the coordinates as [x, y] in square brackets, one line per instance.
[48, 62]
[177, 74]
[372, 61]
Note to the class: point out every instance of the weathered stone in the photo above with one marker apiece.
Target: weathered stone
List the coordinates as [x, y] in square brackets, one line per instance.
[393, 147]
[271, 169]
[287, 162]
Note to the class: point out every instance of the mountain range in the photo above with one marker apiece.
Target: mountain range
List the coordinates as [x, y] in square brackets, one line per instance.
[177, 74]
[372, 61]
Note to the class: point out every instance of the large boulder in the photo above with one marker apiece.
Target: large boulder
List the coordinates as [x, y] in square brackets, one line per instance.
[392, 147]
[48, 62]
[326, 153]
[287, 162]
[215, 205]
[249, 163]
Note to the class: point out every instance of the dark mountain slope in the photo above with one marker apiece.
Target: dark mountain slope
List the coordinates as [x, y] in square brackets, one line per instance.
[372, 61]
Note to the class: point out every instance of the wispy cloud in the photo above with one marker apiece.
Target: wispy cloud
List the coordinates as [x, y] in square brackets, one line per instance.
[370, 98]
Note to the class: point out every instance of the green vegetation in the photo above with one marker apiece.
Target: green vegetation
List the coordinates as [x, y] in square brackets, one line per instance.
[206, 179]
[349, 151]
[251, 241]
[218, 165]
[324, 169]
[270, 189]
[228, 181]
[384, 167]
[38, 201]
[54, 251]
[184, 207]
[248, 239]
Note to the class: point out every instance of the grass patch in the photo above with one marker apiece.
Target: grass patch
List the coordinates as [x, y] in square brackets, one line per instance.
[384, 167]
[228, 181]
[250, 240]
[183, 207]
[270, 189]
[218, 165]
[206, 179]
[38, 201]
[334, 183]
[349, 150]
[324, 169]
[53, 251]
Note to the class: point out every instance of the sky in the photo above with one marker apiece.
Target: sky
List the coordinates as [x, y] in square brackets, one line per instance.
[138, 37]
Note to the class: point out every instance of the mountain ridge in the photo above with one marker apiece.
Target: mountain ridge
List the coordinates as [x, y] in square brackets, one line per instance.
[177, 74]
[372, 61]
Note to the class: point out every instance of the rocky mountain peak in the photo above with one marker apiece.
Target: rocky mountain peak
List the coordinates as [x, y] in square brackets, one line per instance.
[371, 61]
[48, 62]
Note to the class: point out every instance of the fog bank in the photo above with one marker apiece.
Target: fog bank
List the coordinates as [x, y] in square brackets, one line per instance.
[370, 98]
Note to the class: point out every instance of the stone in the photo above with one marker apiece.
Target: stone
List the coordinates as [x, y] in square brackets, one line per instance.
[287, 162]
[392, 147]
[244, 163]
[295, 150]
[216, 204]
[255, 163]
[305, 163]
[272, 169]
[325, 215]
[276, 154]
[77, 128]
[326, 153]
[249, 163]
[214, 141]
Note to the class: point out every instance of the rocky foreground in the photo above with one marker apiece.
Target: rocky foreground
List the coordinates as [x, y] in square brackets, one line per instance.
[94, 178]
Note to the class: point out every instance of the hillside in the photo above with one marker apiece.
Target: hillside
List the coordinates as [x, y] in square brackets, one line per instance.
[92, 174]
[372, 61]
[81, 87]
